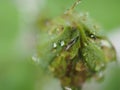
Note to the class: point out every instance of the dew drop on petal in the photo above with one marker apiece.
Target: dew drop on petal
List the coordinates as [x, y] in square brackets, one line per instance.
[92, 36]
[62, 43]
[54, 45]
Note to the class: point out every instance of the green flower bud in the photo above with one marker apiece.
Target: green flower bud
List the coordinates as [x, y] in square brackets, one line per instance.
[73, 49]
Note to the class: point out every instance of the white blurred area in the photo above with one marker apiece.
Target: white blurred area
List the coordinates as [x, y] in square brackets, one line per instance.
[26, 39]
[114, 36]
[28, 13]
[29, 8]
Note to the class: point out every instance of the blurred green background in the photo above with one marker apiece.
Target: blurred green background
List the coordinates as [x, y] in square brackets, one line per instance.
[106, 12]
[18, 71]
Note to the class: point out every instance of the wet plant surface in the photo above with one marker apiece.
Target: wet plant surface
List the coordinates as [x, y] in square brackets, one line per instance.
[73, 48]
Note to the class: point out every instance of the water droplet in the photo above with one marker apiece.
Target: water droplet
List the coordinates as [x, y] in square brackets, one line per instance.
[54, 45]
[62, 43]
[92, 36]
[78, 2]
[67, 88]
